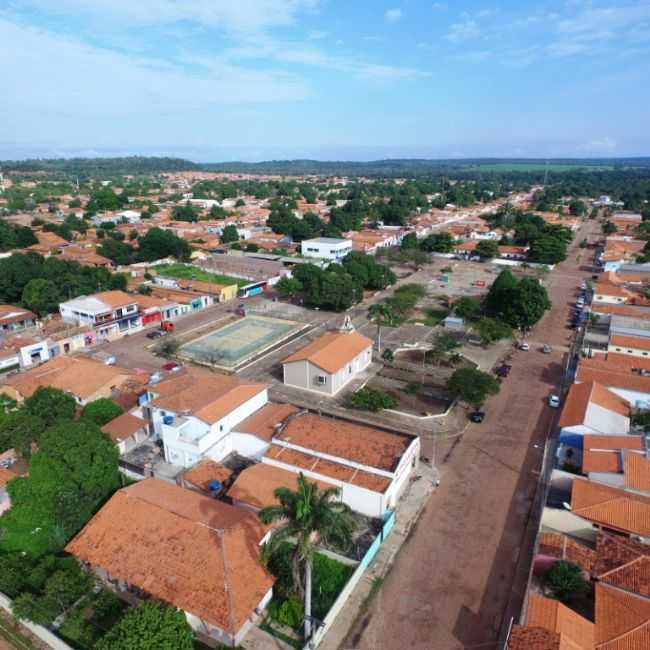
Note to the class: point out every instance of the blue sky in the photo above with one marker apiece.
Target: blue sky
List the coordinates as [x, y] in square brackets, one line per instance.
[330, 79]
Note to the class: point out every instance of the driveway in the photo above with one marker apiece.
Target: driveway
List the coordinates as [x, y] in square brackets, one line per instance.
[450, 585]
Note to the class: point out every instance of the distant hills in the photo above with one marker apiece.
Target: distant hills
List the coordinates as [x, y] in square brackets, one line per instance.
[407, 167]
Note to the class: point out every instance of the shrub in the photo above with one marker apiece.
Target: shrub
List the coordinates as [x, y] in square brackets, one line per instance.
[565, 581]
[291, 613]
[370, 399]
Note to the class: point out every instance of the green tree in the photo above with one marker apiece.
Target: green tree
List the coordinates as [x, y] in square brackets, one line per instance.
[159, 243]
[409, 241]
[20, 430]
[289, 286]
[443, 344]
[116, 251]
[547, 249]
[472, 386]
[51, 405]
[101, 411]
[229, 235]
[149, 626]
[525, 304]
[566, 581]
[487, 249]
[492, 329]
[496, 296]
[41, 296]
[609, 227]
[185, 212]
[468, 307]
[577, 208]
[307, 516]
[442, 242]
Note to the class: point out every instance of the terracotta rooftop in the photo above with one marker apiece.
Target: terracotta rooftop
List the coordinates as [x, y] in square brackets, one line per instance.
[523, 637]
[566, 548]
[611, 507]
[636, 468]
[10, 314]
[206, 395]
[552, 615]
[623, 562]
[603, 453]
[590, 392]
[333, 350]
[6, 475]
[116, 299]
[80, 376]
[634, 342]
[123, 427]
[613, 376]
[263, 423]
[622, 620]
[346, 440]
[256, 485]
[205, 471]
[194, 552]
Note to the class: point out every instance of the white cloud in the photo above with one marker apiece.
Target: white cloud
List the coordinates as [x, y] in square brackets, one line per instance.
[463, 31]
[393, 15]
[439, 6]
[598, 146]
[240, 16]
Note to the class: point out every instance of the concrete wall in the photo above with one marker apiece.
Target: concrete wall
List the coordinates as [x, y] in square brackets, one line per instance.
[248, 445]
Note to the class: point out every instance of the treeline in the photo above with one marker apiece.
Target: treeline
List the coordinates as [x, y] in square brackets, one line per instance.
[339, 286]
[40, 283]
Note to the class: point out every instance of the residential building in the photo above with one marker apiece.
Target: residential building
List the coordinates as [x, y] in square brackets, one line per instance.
[329, 363]
[326, 248]
[126, 431]
[111, 313]
[590, 408]
[83, 378]
[636, 346]
[191, 551]
[194, 411]
[371, 467]
[15, 319]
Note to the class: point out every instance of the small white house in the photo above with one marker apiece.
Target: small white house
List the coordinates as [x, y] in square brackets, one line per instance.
[327, 364]
[326, 248]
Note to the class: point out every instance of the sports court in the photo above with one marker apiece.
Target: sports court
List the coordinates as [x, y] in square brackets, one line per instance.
[233, 345]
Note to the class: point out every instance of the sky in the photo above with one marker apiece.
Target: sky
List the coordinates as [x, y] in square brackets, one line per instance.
[216, 80]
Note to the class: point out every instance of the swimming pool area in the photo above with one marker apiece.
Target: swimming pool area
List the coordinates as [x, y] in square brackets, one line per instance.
[234, 344]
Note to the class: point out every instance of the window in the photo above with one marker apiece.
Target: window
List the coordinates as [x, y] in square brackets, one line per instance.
[221, 427]
[321, 380]
[349, 370]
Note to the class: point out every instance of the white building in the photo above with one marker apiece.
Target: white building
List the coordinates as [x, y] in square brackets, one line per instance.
[194, 412]
[590, 408]
[330, 362]
[111, 313]
[327, 248]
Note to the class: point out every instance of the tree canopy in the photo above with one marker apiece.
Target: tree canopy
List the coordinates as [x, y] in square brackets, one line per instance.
[472, 386]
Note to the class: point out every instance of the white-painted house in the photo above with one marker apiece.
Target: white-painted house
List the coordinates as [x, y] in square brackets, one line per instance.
[327, 364]
[326, 248]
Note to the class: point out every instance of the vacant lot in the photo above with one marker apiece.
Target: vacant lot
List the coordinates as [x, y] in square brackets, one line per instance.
[189, 272]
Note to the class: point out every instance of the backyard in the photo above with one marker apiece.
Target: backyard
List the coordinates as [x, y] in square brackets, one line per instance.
[190, 272]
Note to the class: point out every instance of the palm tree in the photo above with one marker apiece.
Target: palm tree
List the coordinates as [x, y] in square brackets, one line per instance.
[307, 516]
[381, 314]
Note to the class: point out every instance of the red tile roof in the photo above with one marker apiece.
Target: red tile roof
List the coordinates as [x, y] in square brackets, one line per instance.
[603, 453]
[622, 620]
[582, 395]
[552, 615]
[194, 552]
[566, 548]
[633, 342]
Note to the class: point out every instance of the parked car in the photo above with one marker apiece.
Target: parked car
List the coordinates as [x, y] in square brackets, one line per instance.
[172, 366]
[504, 370]
[156, 334]
[547, 349]
[477, 416]
[524, 346]
[554, 401]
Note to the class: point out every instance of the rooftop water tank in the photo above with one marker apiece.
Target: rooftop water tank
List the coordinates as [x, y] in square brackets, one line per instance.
[214, 486]
[168, 419]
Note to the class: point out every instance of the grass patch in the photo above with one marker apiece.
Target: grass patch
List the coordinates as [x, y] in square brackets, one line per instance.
[267, 627]
[435, 316]
[189, 272]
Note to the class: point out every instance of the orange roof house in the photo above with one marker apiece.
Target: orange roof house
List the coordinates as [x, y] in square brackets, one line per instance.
[603, 453]
[328, 363]
[592, 408]
[191, 551]
[622, 619]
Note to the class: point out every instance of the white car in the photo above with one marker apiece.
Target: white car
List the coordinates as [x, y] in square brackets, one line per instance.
[554, 401]
[524, 346]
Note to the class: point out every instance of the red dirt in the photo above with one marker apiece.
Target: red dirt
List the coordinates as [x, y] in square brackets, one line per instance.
[450, 585]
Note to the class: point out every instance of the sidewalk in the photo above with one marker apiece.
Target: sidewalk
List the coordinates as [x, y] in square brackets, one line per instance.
[410, 506]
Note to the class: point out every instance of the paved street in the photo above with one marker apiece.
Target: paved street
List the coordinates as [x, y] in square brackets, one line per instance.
[451, 583]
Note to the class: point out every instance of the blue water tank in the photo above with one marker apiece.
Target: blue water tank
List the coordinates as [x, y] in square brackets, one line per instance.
[168, 419]
[214, 486]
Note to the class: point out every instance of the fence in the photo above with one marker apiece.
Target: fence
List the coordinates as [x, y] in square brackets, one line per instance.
[339, 603]
[37, 630]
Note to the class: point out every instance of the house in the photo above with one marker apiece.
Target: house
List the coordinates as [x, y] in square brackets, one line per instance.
[48, 243]
[636, 346]
[202, 476]
[83, 378]
[590, 408]
[550, 624]
[126, 431]
[330, 362]
[111, 313]
[15, 319]
[255, 486]
[605, 454]
[220, 292]
[186, 549]
[156, 309]
[371, 467]
[326, 248]
[194, 411]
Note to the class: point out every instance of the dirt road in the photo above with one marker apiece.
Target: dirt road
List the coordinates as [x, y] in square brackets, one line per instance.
[450, 585]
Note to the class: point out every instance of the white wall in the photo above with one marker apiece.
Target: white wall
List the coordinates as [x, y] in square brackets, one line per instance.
[248, 445]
